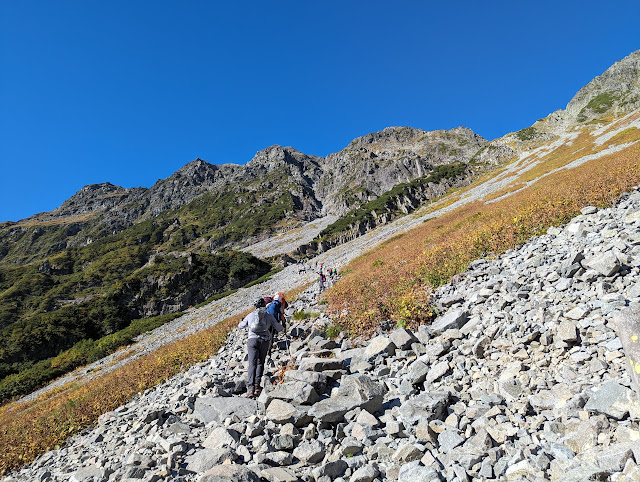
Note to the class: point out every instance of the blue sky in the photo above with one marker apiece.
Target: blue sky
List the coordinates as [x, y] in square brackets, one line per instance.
[130, 91]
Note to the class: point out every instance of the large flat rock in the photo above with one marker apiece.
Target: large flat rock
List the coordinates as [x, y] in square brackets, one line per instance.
[217, 409]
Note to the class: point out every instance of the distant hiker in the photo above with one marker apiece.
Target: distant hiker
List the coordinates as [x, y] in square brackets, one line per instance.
[321, 280]
[261, 325]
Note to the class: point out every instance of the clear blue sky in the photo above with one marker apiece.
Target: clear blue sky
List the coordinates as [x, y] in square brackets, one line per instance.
[129, 91]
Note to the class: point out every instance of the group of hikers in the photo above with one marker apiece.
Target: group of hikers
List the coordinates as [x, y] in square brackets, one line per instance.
[264, 322]
[326, 276]
[266, 319]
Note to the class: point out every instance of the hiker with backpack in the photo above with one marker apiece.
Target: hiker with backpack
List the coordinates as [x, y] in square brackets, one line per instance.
[261, 326]
[276, 308]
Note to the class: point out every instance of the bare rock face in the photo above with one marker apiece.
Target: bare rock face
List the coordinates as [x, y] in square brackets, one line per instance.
[373, 164]
[616, 91]
[367, 168]
[617, 88]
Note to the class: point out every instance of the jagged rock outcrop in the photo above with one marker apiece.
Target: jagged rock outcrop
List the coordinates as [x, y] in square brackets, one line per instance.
[370, 166]
[616, 91]
[373, 164]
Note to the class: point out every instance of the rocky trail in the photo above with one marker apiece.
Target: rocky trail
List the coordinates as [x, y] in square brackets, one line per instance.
[521, 377]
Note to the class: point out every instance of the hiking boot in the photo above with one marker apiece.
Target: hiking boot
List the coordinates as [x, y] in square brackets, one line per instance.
[257, 392]
[250, 392]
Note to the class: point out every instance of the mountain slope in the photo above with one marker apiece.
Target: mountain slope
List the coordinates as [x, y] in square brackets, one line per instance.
[278, 189]
[554, 173]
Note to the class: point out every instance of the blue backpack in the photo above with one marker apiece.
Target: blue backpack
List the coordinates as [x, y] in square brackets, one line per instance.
[274, 309]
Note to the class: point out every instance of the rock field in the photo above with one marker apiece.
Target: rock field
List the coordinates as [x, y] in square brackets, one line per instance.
[521, 377]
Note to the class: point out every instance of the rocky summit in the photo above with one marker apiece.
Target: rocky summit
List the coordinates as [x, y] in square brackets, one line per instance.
[521, 377]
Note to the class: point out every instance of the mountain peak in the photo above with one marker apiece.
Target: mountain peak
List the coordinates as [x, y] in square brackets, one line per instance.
[617, 90]
[196, 166]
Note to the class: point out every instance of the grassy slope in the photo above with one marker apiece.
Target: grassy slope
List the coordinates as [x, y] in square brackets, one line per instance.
[398, 275]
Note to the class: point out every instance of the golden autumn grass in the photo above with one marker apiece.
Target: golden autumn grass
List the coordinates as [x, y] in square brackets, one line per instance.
[30, 429]
[394, 280]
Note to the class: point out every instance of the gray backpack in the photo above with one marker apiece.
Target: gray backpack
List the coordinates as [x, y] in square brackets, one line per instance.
[259, 324]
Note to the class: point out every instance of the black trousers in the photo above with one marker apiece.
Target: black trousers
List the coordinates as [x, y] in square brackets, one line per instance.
[257, 353]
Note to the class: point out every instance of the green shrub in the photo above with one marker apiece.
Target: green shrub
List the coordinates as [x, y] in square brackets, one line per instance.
[527, 134]
[332, 331]
[387, 202]
[304, 315]
[601, 103]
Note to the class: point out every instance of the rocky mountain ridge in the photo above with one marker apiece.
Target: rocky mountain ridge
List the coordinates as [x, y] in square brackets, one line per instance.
[317, 187]
[369, 166]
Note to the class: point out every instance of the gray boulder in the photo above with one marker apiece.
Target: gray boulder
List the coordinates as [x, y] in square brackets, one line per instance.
[217, 409]
[317, 380]
[283, 412]
[229, 473]
[333, 470]
[428, 405]
[296, 392]
[415, 472]
[221, 437]
[333, 409]
[205, 459]
[365, 391]
[606, 264]
[627, 326]
[316, 364]
[402, 338]
[418, 372]
[380, 345]
[279, 474]
[450, 320]
[612, 399]
[311, 452]
[365, 474]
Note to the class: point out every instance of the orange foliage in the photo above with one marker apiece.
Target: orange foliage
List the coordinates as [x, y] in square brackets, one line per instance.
[393, 281]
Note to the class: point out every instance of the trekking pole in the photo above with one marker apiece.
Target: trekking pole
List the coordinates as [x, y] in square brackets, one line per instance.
[272, 332]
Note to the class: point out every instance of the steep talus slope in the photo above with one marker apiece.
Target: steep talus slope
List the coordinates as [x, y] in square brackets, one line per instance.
[521, 378]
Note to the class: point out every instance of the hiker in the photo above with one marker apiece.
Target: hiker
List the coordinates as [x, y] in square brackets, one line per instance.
[321, 280]
[261, 325]
[276, 308]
